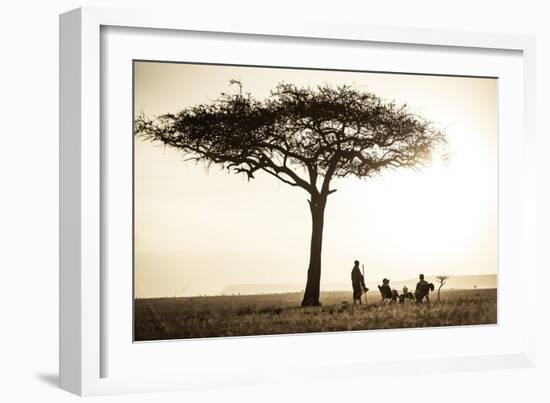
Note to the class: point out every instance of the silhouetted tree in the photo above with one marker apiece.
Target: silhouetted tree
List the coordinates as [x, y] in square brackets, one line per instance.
[442, 280]
[304, 137]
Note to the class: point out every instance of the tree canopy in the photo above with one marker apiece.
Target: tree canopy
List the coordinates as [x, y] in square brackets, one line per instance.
[299, 135]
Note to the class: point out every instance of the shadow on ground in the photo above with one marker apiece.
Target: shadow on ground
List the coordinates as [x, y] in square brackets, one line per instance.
[49, 379]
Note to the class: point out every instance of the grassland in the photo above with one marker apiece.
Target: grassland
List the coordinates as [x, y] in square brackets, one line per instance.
[245, 315]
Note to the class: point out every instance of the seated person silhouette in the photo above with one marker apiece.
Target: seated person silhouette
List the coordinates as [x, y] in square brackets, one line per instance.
[394, 295]
[385, 291]
[406, 295]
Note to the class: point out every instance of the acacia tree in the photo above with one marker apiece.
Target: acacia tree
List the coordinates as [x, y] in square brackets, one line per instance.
[304, 137]
[442, 280]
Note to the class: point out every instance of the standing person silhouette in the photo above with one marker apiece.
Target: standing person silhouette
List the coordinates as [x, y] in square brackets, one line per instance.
[421, 283]
[357, 282]
[422, 289]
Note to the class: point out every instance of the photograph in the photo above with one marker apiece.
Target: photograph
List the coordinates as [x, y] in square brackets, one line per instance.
[277, 200]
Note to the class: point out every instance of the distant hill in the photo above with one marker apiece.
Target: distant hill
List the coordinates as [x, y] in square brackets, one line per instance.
[457, 282]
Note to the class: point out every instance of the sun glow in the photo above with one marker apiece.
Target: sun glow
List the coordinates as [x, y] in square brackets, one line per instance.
[431, 219]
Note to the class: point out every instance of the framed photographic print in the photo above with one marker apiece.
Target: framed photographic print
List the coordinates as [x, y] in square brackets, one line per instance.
[237, 198]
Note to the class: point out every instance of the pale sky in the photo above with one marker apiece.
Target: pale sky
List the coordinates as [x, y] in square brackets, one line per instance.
[198, 231]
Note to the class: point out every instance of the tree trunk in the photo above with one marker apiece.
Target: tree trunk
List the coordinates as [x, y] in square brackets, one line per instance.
[313, 285]
[439, 292]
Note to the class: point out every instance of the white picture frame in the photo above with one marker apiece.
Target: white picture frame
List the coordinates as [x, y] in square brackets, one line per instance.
[85, 343]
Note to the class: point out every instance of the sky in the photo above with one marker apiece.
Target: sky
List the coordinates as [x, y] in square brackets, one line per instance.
[198, 230]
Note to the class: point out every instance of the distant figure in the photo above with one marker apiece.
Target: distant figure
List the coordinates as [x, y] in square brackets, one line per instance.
[358, 283]
[406, 295]
[386, 291]
[423, 289]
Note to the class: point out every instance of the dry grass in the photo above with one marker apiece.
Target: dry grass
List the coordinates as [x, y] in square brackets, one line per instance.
[195, 317]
